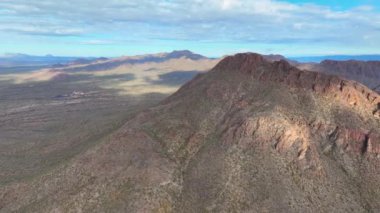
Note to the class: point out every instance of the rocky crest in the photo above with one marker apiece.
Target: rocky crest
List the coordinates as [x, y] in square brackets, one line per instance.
[262, 69]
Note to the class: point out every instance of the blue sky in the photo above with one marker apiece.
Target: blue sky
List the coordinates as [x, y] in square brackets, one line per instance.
[210, 27]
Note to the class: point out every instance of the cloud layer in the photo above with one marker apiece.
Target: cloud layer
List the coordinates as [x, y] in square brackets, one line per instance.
[260, 21]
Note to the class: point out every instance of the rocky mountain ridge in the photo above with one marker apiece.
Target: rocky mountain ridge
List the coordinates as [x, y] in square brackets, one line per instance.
[365, 72]
[250, 135]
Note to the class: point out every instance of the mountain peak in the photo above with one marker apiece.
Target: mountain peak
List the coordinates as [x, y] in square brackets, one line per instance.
[264, 70]
[251, 62]
[242, 62]
[185, 53]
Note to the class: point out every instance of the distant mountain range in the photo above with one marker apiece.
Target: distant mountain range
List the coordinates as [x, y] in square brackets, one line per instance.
[161, 73]
[19, 60]
[361, 68]
[106, 64]
[318, 59]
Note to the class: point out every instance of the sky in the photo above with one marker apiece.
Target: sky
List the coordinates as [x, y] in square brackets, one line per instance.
[210, 27]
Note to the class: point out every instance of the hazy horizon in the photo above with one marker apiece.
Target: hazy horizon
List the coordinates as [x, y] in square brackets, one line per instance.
[4, 55]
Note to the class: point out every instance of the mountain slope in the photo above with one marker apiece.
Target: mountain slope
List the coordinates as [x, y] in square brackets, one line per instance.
[250, 135]
[366, 72]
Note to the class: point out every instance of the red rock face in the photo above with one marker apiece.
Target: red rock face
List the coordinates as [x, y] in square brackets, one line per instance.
[358, 142]
[373, 145]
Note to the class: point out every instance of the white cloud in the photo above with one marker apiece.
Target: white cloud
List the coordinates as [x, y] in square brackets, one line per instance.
[229, 4]
[97, 42]
[218, 20]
